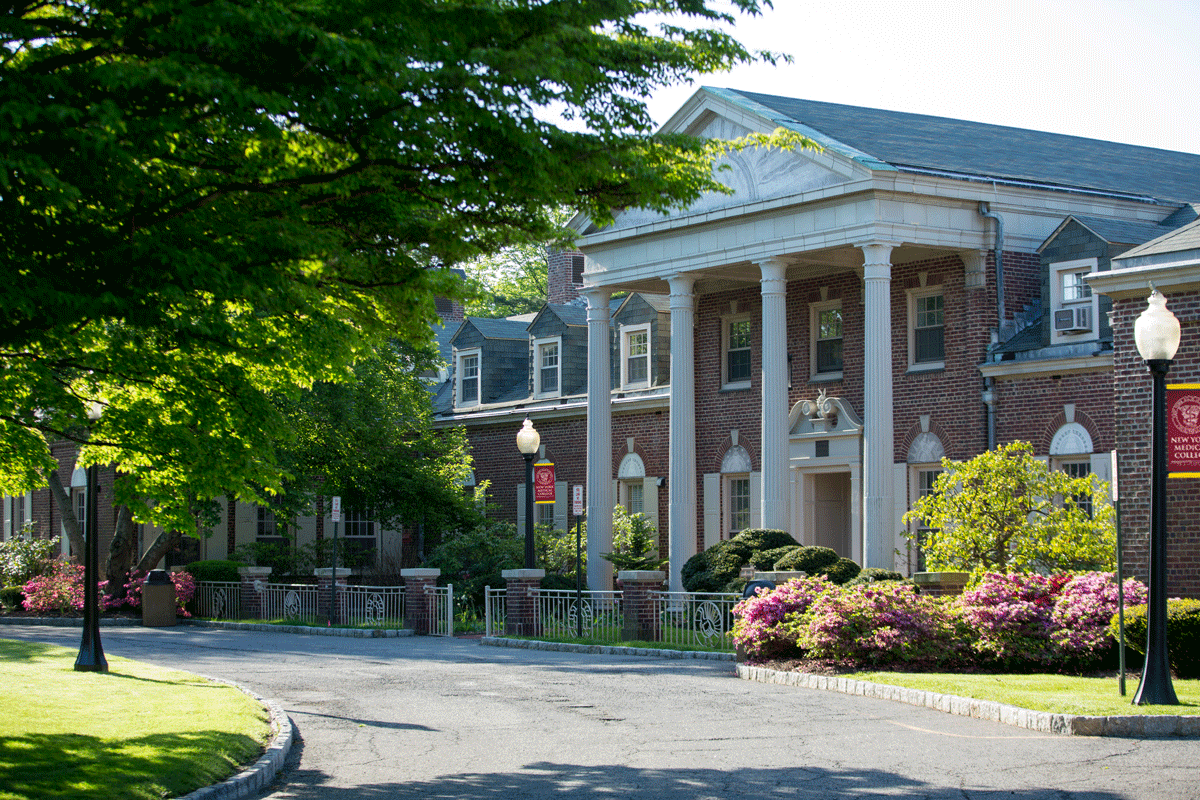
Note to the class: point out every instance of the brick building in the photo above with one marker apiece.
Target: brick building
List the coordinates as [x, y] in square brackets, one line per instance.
[917, 288]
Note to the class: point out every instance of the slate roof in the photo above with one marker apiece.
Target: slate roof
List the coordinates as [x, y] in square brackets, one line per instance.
[1177, 241]
[570, 315]
[1122, 231]
[972, 149]
[500, 328]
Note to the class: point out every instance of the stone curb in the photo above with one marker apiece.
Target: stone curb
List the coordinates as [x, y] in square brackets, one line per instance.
[70, 622]
[258, 775]
[604, 649]
[1134, 725]
[305, 630]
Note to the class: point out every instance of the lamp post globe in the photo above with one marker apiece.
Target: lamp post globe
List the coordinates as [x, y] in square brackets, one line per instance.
[1156, 333]
[528, 442]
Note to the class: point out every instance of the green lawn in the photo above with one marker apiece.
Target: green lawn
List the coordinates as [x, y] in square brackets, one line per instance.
[138, 731]
[1058, 694]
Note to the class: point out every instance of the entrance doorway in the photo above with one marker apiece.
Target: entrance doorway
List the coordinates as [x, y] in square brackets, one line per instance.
[830, 493]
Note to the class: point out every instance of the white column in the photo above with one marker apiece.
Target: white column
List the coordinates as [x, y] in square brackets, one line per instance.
[775, 506]
[681, 486]
[599, 442]
[878, 449]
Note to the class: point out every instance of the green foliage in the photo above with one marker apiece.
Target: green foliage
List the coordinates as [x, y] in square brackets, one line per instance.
[635, 542]
[512, 280]
[474, 558]
[715, 569]
[765, 560]
[25, 558]
[876, 575]
[205, 207]
[1005, 510]
[215, 570]
[812, 560]
[288, 561]
[1183, 634]
[554, 551]
[841, 571]
[11, 597]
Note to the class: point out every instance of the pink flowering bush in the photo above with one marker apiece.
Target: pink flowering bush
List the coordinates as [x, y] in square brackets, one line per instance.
[878, 624]
[1010, 617]
[1084, 608]
[762, 624]
[185, 590]
[58, 590]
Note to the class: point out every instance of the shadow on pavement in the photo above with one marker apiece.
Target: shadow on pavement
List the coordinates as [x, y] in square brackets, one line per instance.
[546, 780]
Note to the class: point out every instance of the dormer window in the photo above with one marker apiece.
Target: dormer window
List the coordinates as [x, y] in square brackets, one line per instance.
[1074, 307]
[547, 365]
[635, 357]
[467, 389]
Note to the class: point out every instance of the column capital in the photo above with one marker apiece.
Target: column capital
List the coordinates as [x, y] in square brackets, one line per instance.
[773, 268]
[682, 285]
[596, 296]
[877, 252]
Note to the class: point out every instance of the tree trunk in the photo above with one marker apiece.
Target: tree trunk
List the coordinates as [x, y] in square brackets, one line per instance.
[121, 553]
[165, 541]
[70, 522]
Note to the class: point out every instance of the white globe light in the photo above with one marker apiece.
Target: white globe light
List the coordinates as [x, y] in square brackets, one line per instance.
[528, 439]
[1156, 330]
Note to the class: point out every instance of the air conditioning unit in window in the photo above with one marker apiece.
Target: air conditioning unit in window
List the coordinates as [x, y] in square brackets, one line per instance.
[1073, 319]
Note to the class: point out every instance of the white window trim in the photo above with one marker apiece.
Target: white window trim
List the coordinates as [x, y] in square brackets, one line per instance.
[1056, 300]
[538, 344]
[459, 355]
[626, 332]
[726, 322]
[814, 321]
[913, 296]
[914, 494]
[727, 480]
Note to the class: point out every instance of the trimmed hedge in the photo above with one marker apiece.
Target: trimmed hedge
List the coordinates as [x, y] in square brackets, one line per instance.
[1183, 634]
[215, 570]
[715, 569]
[812, 560]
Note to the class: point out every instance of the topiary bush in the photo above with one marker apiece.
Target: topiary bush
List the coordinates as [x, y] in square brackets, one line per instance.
[869, 575]
[812, 560]
[714, 569]
[841, 571]
[765, 561]
[1183, 634]
[217, 570]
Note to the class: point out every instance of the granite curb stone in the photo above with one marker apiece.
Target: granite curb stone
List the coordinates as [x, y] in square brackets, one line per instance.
[258, 775]
[604, 649]
[1132, 725]
[354, 633]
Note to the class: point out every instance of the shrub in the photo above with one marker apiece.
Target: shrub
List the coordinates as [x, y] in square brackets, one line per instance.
[1083, 609]
[758, 628]
[841, 571]
[1183, 634]
[635, 542]
[215, 570]
[1011, 618]
[870, 575]
[12, 597]
[714, 569]
[765, 560]
[58, 590]
[22, 559]
[878, 626]
[185, 590]
[474, 559]
[812, 560]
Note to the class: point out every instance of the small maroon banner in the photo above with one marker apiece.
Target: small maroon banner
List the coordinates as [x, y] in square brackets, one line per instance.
[1183, 430]
[543, 482]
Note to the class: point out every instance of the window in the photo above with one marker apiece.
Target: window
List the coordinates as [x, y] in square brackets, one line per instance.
[737, 352]
[827, 339]
[634, 497]
[267, 524]
[545, 514]
[926, 329]
[577, 269]
[635, 357]
[359, 531]
[926, 478]
[81, 510]
[18, 516]
[547, 367]
[1079, 469]
[1074, 309]
[739, 503]
[468, 378]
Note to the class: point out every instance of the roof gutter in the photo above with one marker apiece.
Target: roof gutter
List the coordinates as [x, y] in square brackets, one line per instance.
[989, 394]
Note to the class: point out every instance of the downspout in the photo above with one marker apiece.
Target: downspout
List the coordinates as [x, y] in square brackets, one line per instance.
[989, 391]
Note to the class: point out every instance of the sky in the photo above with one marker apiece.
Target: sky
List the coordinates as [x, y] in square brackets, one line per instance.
[1119, 70]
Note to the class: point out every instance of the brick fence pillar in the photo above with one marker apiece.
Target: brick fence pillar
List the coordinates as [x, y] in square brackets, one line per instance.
[638, 605]
[941, 584]
[324, 585]
[521, 601]
[418, 599]
[254, 584]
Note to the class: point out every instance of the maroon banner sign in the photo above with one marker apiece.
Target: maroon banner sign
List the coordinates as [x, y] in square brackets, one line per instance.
[1183, 430]
[543, 482]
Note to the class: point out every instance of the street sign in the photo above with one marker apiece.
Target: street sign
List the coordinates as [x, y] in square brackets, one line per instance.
[337, 509]
[577, 500]
[543, 482]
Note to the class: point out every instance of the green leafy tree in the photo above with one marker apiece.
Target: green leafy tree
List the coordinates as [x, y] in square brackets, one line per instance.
[206, 206]
[1006, 511]
[635, 542]
[512, 280]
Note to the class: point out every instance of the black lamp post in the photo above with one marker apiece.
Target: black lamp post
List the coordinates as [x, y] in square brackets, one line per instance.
[528, 441]
[91, 653]
[1156, 332]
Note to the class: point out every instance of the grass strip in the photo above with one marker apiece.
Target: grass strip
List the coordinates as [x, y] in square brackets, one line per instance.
[137, 731]
[1057, 694]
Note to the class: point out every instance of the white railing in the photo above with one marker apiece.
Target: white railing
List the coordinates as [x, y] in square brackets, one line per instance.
[373, 606]
[695, 618]
[595, 616]
[684, 618]
[289, 601]
[218, 600]
[442, 613]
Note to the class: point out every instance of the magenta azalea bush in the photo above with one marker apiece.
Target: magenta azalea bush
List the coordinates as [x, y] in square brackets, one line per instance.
[763, 625]
[1017, 621]
[185, 590]
[59, 590]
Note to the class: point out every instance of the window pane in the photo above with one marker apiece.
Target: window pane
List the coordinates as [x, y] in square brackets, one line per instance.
[739, 504]
[638, 343]
[470, 379]
[637, 365]
[929, 345]
[739, 334]
[739, 365]
[829, 325]
[1074, 287]
[737, 357]
[548, 357]
[829, 356]
[930, 311]
[545, 514]
[1080, 469]
[636, 506]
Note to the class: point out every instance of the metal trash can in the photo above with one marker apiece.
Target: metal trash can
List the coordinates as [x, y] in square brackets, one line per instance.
[158, 600]
[752, 586]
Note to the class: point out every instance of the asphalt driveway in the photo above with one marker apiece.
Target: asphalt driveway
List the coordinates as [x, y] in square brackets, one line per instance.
[436, 718]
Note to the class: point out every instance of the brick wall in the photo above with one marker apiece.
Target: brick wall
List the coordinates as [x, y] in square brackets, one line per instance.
[560, 284]
[1031, 409]
[1133, 430]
